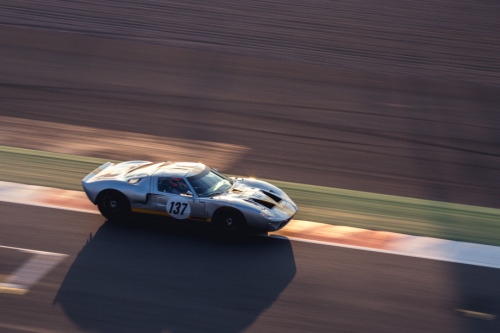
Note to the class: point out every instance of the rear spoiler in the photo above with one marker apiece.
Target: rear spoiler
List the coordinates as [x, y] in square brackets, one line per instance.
[96, 172]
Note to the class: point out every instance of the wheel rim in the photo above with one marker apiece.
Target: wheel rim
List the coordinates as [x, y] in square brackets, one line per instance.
[111, 203]
[229, 221]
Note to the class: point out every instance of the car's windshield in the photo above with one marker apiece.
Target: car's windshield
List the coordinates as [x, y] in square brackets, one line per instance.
[210, 182]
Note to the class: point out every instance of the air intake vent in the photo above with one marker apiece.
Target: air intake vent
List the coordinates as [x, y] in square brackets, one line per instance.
[272, 196]
[266, 204]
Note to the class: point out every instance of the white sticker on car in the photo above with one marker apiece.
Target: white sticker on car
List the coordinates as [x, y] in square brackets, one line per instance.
[178, 207]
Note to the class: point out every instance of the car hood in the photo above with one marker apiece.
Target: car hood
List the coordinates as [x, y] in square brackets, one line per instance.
[262, 195]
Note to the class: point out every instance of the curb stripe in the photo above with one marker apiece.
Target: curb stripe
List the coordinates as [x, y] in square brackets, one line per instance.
[304, 231]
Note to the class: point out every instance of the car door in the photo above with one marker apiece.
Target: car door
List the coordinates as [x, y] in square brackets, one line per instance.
[173, 197]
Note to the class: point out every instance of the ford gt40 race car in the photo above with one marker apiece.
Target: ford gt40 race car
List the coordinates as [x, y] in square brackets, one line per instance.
[188, 191]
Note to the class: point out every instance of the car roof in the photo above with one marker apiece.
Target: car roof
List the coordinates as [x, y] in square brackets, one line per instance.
[178, 169]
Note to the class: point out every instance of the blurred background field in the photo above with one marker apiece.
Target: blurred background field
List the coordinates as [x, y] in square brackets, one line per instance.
[397, 98]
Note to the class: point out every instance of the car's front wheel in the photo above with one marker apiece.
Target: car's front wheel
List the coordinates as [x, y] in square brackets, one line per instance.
[230, 221]
[113, 205]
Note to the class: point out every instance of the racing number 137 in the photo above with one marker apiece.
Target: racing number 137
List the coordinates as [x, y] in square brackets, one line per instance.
[175, 208]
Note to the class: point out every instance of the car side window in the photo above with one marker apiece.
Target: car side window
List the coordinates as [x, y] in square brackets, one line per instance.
[173, 185]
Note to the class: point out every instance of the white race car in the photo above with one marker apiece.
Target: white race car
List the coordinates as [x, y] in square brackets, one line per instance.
[188, 191]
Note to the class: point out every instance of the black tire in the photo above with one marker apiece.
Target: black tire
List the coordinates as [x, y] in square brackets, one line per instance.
[230, 221]
[113, 205]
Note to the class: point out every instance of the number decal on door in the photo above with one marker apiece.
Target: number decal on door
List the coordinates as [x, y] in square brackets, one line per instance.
[175, 207]
[178, 207]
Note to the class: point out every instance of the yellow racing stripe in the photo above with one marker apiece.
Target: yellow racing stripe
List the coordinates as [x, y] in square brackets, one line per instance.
[149, 211]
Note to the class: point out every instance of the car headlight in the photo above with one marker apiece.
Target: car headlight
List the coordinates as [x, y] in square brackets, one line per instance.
[134, 180]
[268, 214]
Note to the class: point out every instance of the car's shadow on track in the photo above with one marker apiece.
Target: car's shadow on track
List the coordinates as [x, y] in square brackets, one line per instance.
[148, 278]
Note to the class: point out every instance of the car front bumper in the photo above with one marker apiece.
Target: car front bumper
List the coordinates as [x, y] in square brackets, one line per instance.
[277, 225]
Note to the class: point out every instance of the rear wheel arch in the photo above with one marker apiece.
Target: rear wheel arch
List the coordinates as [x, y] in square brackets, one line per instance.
[108, 190]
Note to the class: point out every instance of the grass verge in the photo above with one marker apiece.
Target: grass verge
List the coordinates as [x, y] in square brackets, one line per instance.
[316, 203]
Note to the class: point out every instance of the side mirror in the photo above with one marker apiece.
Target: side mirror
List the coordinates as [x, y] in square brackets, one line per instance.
[187, 194]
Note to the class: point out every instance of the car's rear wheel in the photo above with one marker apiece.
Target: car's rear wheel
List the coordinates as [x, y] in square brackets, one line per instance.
[230, 221]
[113, 205]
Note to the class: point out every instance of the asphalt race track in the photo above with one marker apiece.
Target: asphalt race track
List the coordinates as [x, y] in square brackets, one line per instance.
[399, 97]
[151, 278]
